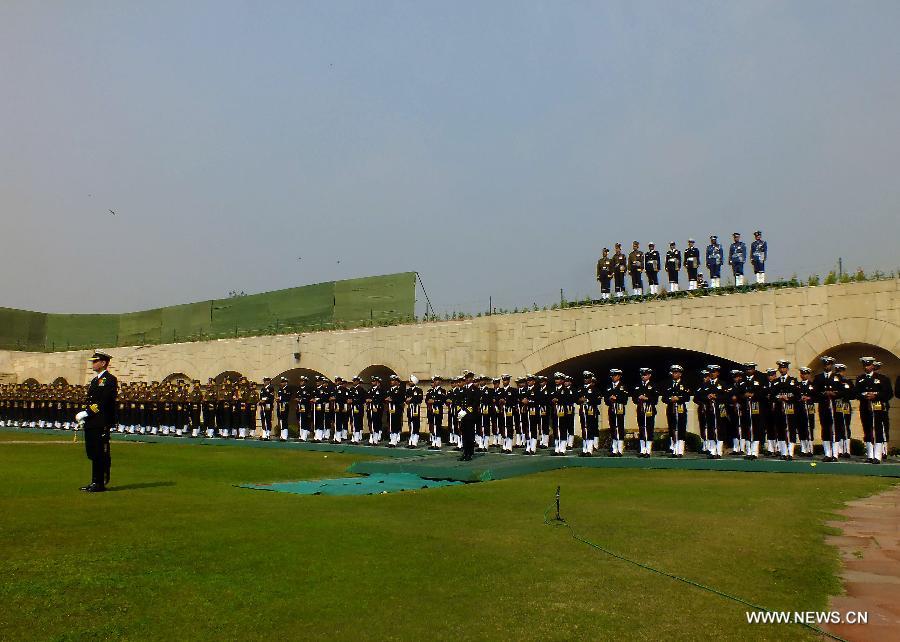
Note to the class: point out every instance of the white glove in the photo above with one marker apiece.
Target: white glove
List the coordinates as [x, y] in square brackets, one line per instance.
[462, 413]
[81, 416]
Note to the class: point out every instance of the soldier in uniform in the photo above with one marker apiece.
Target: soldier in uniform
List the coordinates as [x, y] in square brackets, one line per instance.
[806, 415]
[755, 393]
[845, 412]
[714, 260]
[673, 266]
[283, 399]
[676, 395]
[469, 399]
[357, 395]
[590, 400]
[645, 397]
[195, 403]
[759, 249]
[266, 406]
[605, 274]
[701, 404]
[558, 398]
[620, 267]
[873, 408]
[785, 394]
[616, 398]
[692, 263]
[375, 411]
[530, 418]
[435, 399]
[303, 404]
[737, 256]
[636, 269]
[827, 390]
[413, 399]
[209, 408]
[739, 415]
[887, 394]
[714, 393]
[394, 403]
[652, 264]
[507, 403]
[98, 417]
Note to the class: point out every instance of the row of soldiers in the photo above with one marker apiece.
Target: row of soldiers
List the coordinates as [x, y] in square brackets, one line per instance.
[612, 269]
[750, 409]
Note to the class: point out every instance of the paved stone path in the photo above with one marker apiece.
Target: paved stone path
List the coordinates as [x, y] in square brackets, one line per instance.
[869, 546]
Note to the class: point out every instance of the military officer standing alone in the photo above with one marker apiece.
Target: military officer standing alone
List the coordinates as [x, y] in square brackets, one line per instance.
[759, 249]
[98, 418]
[605, 274]
[673, 266]
[714, 261]
[737, 256]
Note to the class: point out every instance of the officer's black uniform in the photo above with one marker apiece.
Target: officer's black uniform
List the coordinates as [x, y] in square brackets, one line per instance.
[470, 399]
[673, 265]
[101, 417]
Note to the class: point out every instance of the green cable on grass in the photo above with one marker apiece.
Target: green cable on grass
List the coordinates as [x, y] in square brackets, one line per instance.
[559, 521]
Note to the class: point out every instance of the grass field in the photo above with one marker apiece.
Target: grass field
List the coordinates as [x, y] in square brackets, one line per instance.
[178, 552]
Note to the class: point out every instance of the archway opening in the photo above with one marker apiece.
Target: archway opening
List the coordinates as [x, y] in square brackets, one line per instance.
[850, 353]
[60, 381]
[31, 381]
[231, 375]
[177, 377]
[293, 376]
[376, 370]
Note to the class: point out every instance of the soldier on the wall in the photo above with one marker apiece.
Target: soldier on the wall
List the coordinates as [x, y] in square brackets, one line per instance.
[673, 266]
[759, 249]
[737, 256]
[652, 264]
[605, 273]
[620, 267]
[692, 263]
[99, 417]
[636, 269]
[714, 260]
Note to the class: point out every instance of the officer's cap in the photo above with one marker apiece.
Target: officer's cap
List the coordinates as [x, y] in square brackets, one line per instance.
[671, 243]
[558, 375]
[867, 361]
[618, 245]
[338, 379]
[782, 363]
[757, 233]
[646, 371]
[735, 233]
[736, 372]
[437, 378]
[771, 371]
[606, 249]
[651, 244]
[587, 373]
[285, 379]
[495, 380]
[267, 378]
[749, 366]
[713, 238]
[805, 370]
[506, 377]
[468, 373]
[376, 378]
[635, 242]
[691, 241]
[530, 377]
[826, 359]
[99, 355]
[675, 368]
[840, 366]
[520, 380]
[615, 371]
[714, 368]
[393, 376]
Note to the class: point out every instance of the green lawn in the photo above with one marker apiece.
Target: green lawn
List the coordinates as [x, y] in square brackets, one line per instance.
[178, 552]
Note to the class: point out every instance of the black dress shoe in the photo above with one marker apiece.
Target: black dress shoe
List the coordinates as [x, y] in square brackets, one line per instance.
[86, 487]
[95, 488]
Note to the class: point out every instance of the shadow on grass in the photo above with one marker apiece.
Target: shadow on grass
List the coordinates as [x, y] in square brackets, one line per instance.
[138, 486]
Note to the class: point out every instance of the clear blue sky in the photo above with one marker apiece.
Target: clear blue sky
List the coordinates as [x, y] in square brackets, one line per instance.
[495, 147]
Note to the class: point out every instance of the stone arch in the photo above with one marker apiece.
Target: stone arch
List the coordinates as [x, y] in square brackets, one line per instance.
[309, 361]
[166, 368]
[718, 344]
[382, 371]
[176, 377]
[849, 354]
[60, 381]
[293, 375]
[31, 381]
[379, 357]
[852, 330]
[230, 374]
